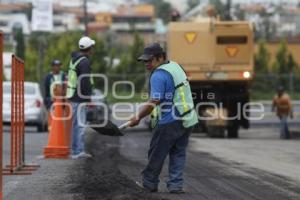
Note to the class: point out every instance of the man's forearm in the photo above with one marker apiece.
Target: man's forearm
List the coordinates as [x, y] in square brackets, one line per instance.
[147, 108]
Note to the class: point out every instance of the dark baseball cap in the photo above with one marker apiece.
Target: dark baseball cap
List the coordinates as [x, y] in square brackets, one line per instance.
[55, 62]
[150, 51]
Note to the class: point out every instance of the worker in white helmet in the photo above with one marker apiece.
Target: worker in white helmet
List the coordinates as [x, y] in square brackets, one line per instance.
[79, 91]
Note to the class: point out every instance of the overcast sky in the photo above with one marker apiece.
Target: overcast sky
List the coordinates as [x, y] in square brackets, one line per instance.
[260, 1]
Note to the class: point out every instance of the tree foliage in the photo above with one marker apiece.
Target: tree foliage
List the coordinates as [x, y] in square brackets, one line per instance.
[20, 43]
[129, 67]
[163, 10]
[59, 46]
[292, 66]
[284, 63]
[262, 59]
[280, 64]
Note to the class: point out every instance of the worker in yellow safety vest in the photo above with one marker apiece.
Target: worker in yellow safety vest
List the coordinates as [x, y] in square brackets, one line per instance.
[56, 76]
[174, 117]
[79, 92]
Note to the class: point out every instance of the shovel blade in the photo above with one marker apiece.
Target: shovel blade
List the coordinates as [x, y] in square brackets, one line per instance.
[109, 129]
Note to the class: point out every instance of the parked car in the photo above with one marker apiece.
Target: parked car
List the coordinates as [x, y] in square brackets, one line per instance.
[34, 110]
[99, 109]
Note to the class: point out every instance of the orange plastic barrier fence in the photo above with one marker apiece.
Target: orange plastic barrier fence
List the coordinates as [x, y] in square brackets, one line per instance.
[1, 101]
[17, 147]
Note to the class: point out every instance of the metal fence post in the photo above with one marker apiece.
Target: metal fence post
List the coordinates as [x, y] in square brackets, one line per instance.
[1, 101]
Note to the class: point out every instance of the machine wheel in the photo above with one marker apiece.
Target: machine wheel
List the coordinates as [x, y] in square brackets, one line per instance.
[46, 127]
[233, 132]
[215, 131]
[199, 128]
[40, 127]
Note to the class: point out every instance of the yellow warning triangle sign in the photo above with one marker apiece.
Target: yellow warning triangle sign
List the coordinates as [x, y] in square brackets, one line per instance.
[190, 37]
[231, 51]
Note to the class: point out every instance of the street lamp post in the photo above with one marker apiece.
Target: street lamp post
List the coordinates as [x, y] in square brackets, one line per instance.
[85, 17]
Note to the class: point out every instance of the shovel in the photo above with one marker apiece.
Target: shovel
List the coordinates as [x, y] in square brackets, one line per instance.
[111, 129]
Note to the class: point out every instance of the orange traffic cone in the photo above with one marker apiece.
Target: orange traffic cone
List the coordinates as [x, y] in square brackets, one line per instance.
[57, 147]
[68, 124]
[49, 120]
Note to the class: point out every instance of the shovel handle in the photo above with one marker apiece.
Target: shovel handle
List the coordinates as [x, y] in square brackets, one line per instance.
[125, 125]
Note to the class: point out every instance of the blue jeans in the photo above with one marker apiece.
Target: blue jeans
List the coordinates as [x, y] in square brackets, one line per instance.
[168, 139]
[284, 129]
[78, 127]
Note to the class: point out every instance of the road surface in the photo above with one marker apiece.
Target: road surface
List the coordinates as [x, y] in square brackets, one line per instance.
[257, 166]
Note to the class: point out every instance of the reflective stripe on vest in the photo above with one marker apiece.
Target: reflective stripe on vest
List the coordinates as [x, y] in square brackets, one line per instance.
[182, 98]
[72, 78]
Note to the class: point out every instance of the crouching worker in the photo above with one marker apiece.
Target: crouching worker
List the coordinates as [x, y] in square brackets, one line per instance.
[171, 99]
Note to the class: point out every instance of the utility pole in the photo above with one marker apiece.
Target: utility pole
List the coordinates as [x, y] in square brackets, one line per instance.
[85, 18]
[228, 9]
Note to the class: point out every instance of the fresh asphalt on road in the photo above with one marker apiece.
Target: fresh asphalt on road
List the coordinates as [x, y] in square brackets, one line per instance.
[211, 172]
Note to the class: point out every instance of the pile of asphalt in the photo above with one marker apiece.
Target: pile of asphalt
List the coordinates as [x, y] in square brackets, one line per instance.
[99, 177]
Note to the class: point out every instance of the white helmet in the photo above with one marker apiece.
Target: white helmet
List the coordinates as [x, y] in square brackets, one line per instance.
[86, 42]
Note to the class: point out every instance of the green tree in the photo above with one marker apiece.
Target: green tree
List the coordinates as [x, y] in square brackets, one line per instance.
[99, 65]
[284, 64]
[121, 69]
[135, 51]
[19, 38]
[292, 66]
[262, 59]
[31, 57]
[163, 10]
[280, 64]
[129, 68]
[60, 46]
[136, 67]
[99, 53]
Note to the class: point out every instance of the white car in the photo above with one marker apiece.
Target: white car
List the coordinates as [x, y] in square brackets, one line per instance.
[35, 110]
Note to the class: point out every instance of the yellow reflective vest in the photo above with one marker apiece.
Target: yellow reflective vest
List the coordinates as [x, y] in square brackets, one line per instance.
[56, 79]
[72, 78]
[182, 98]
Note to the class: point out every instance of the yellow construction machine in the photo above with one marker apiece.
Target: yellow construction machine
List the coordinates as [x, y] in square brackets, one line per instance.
[218, 59]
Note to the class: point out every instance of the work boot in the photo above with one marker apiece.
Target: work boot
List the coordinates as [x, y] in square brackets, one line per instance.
[145, 188]
[84, 155]
[177, 191]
